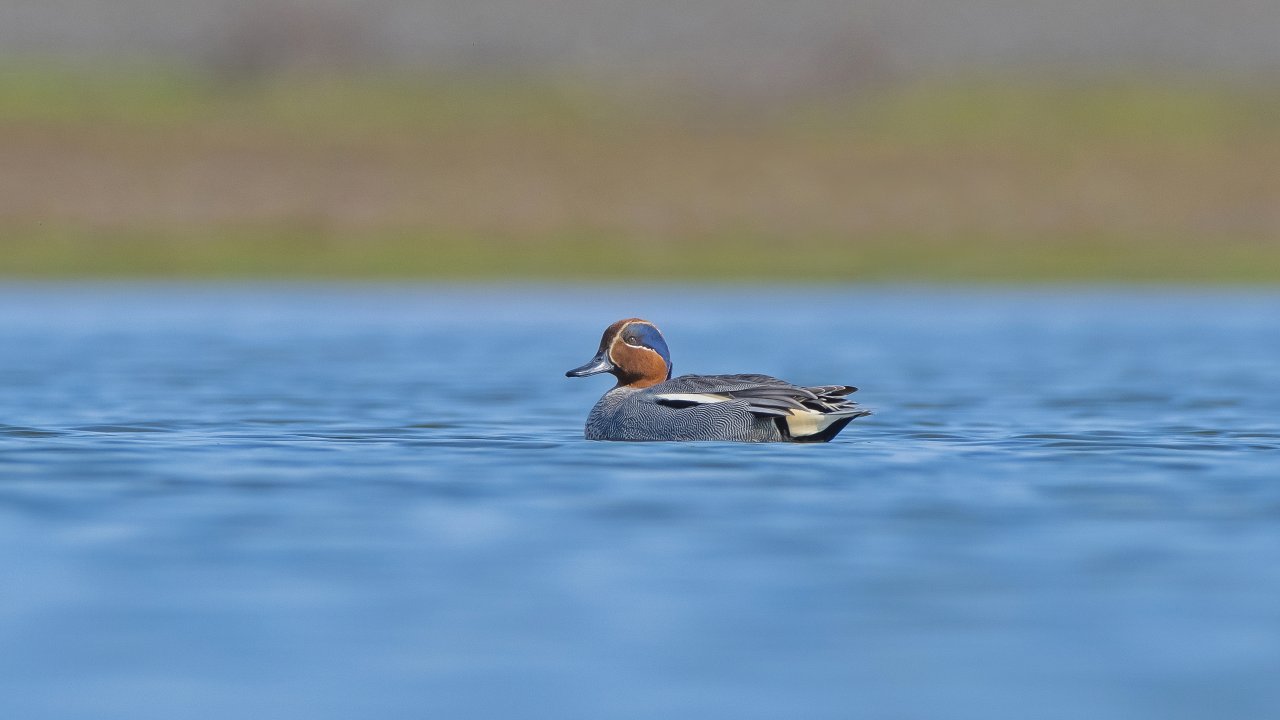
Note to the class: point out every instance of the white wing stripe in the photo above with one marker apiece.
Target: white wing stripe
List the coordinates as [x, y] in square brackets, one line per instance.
[699, 398]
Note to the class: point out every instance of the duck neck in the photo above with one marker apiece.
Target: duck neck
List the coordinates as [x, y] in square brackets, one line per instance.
[639, 382]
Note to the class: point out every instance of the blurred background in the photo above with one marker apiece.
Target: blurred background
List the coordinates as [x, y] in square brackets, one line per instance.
[912, 140]
[231, 499]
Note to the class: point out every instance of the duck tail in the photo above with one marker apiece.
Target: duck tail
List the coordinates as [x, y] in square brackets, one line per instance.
[810, 427]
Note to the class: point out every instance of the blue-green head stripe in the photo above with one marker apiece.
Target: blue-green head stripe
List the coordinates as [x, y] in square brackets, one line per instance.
[646, 335]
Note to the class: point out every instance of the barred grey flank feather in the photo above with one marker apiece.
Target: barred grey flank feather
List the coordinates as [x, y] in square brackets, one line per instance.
[756, 410]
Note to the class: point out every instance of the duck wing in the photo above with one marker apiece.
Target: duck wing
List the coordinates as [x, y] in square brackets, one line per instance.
[764, 395]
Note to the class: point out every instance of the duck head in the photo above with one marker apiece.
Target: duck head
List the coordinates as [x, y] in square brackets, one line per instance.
[634, 351]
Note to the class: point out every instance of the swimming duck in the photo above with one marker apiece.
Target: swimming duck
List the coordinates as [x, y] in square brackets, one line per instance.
[647, 404]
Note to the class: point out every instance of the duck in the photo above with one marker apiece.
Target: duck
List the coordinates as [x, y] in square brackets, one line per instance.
[647, 404]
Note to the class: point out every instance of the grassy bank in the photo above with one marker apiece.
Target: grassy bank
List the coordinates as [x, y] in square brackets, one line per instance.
[164, 174]
[265, 254]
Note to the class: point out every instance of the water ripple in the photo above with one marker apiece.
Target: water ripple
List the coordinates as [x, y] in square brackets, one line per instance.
[1065, 500]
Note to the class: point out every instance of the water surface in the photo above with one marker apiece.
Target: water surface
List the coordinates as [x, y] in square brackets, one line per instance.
[336, 502]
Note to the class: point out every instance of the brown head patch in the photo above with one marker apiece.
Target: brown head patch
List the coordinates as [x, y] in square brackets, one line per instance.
[637, 367]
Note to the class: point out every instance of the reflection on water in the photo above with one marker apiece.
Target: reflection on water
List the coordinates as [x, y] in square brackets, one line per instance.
[376, 502]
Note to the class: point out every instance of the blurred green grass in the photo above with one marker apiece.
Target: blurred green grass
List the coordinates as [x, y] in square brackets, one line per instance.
[291, 254]
[1032, 109]
[157, 96]
[147, 172]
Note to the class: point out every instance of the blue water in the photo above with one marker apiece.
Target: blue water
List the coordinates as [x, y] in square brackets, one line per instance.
[375, 502]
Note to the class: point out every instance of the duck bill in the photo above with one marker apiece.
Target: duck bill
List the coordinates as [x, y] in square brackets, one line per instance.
[596, 365]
